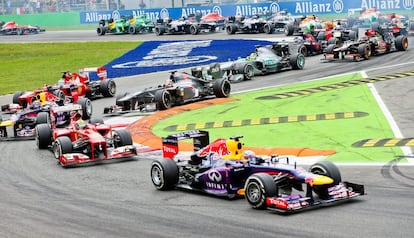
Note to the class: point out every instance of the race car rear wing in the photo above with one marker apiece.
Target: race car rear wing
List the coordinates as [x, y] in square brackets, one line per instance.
[170, 143]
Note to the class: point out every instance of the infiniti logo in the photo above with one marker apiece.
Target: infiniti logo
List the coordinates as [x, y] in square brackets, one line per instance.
[214, 176]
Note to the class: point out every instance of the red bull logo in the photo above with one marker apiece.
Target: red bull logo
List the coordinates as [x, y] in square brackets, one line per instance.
[218, 148]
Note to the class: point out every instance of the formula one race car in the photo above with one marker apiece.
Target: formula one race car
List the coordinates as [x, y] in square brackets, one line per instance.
[179, 89]
[140, 24]
[113, 26]
[224, 168]
[170, 26]
[81, 142]
[253, 24]
[83, 84]
[23, 120]
[210, 22]
[12, 28]
[266, 59]
[373, 43]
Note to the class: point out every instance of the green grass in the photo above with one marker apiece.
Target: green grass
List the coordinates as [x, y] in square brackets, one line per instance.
[30, 66]
[338, 134]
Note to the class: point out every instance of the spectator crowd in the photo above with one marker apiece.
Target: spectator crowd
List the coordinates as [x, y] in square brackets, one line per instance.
[9, 7]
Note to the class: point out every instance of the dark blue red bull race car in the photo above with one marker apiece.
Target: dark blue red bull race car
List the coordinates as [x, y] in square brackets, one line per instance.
[224, 168]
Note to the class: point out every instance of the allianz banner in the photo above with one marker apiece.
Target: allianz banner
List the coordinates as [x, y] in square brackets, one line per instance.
[294, 7]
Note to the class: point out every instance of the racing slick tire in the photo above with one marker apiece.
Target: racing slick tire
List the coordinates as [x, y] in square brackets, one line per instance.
[86, 107]
[122, 137]
[231, 29]
[364, 50]
[330, 48]
[222, 88]
[333, 41]
[401, 43]
[133, 30]
[60, 94]
[329, 169]
[259, 186]
[288, 29]
[297, 61]
[163, 99]
[164, 174]
[321, 36]
[62, 145]
[303, 50]
[194, 30]
[43, 136]
[108, 87]
[248, 72]
[43, 118]
[268, 29]
[16, 96]
[159, 31]
[101, 30]
[353, 35]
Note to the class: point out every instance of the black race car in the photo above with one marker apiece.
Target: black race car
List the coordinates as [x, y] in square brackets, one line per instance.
[179, 89]
[374, 42]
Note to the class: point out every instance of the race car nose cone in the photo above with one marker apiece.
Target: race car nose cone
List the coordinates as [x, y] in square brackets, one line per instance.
[322, 180]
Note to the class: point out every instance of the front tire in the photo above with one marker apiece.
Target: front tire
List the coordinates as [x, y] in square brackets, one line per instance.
[164, 174]
[122, 137]
[364, 50]
[297, 61]
[248, 72]
[328, 169]
[258, 187]
[62, 145]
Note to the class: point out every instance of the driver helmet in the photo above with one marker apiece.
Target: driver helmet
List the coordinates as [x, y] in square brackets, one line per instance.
[36, 105]
[370, 32]
[61, 82]
[168, 83]
[80, 124]
[76, 115]
[249, 155]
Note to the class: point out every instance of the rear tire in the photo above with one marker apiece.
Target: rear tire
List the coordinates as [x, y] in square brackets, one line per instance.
[108, 87]
[164, 174]
[288, 30]
[364, 50]
[43, 136]
[86, 107]
[16, 96]
[163, 99]
[401, 43]
[222, 88]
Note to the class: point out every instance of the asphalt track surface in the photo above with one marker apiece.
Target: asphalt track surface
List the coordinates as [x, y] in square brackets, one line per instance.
[38, 198]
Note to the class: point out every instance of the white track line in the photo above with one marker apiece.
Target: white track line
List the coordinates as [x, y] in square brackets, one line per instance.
[394, 127]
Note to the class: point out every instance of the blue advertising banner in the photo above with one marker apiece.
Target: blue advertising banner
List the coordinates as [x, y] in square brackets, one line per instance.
[294, 7]
[156, 56]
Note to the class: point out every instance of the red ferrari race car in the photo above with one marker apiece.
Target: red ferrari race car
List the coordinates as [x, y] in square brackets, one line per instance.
[224, 168]
[12, 28]
[83, 84]
[85, 142]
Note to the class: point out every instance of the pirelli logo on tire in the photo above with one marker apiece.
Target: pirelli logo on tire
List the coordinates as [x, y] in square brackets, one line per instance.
[264, 121]
[340, 85]
[385, 142]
